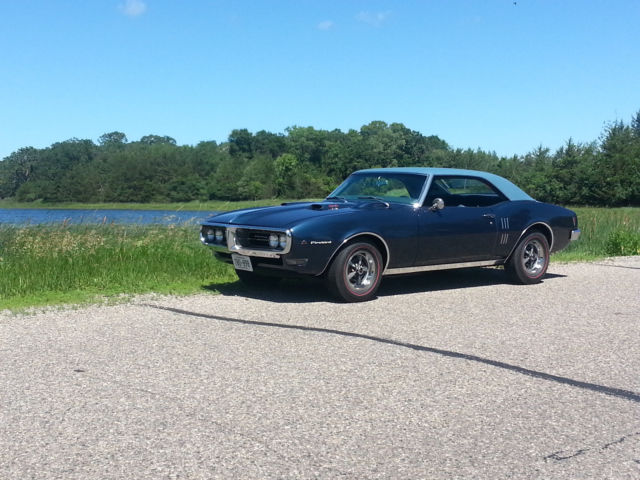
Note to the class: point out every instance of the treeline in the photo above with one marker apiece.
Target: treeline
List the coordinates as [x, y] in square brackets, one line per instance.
[305, 162]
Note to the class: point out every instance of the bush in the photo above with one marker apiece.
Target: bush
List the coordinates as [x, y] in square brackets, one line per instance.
[623, 242]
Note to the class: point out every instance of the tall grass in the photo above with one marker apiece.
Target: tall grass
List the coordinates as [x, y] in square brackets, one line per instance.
[605, 232]
[41, 265]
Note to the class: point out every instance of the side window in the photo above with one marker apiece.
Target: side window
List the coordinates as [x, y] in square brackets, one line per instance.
[460, 191]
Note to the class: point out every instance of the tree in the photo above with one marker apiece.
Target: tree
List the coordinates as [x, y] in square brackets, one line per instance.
[286, 166]
[619, 165]
[635, 124]
[387, 145]
[17, 169]
[186, 189]
[306, 162]
[224, 183]
[112, 139]
[241, 143]
[307, 144]
[257, 179]
[269, 144]
[157, 140]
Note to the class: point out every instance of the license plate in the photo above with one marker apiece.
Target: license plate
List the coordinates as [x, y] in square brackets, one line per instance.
[240, 262]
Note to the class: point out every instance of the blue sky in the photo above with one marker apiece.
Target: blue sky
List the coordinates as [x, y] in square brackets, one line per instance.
[491, 74]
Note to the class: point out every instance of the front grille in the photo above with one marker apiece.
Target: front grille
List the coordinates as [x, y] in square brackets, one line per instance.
[252, 238]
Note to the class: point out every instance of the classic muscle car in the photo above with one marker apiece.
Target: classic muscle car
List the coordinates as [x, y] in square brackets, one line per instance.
[394, 221]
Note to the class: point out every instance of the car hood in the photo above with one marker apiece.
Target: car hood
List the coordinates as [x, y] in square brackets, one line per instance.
[288, 215]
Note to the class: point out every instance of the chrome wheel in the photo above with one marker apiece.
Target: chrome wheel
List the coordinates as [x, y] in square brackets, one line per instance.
[534, 259]
[530, 259]
[361, 271]
[355, 273]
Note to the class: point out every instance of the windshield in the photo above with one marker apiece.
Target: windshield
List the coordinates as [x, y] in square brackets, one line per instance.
[389, 187]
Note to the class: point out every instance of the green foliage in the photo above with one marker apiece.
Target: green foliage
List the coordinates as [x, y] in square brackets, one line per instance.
[623, 242]
[600, 227]
[112, 139]
[286, 169]
[619, 165]
[306, 162]
[55, 264]
[157, 139]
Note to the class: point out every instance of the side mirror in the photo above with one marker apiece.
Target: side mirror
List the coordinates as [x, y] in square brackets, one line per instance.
[438, 204]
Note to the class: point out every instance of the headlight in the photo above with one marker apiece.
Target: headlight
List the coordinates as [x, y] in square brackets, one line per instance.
[219, 235]
[209, 233]
[282, 240]
[273, 240]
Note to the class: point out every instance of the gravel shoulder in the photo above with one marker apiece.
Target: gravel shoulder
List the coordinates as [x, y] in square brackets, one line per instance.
[454, 374]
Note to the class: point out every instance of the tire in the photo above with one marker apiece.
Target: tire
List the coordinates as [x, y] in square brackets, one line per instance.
[355, 273]
[253, 279]
[529, 261]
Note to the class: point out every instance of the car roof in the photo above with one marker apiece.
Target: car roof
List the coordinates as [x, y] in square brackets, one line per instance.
[511, 191]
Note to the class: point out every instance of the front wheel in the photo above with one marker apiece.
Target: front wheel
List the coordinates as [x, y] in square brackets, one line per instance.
[355, 273]
[529, 261]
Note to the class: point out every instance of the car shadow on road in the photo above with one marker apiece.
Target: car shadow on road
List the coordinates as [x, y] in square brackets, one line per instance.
[308, 290]
[287, 290]
[448, 280]
[602, 389]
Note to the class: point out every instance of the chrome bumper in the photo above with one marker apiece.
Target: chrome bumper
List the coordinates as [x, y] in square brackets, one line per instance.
[231, 244]
[575, 234]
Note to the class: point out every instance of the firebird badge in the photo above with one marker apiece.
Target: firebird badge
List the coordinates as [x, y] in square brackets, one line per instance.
[320, 242]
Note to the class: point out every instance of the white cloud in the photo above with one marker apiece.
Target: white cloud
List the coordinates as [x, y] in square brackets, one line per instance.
[133, 8]
[326, 25]
[373, 19]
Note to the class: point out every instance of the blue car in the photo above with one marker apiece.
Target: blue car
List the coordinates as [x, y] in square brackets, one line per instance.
[393, 221]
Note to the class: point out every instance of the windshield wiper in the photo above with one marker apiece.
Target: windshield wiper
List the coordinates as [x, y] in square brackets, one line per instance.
[336, 198]
[371, 197]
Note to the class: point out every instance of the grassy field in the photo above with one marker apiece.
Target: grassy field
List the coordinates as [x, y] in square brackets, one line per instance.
[76, 264]
[44, 265]
[605, 232]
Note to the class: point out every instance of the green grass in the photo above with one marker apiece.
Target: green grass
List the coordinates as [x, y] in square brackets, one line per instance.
[48, 265]
[69, 264]
[213, 205]
[600, 228]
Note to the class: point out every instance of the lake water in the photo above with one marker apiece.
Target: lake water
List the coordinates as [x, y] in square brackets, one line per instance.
[18, 216]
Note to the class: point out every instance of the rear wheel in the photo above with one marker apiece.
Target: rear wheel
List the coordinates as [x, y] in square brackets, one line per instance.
[355, 273]
[530, 259]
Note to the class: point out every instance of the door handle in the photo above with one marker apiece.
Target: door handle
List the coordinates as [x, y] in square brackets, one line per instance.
[490, 216]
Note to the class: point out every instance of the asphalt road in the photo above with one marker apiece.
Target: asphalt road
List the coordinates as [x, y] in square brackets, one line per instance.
[445, 375]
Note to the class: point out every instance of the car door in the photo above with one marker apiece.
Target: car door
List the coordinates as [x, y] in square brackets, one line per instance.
[465, 229]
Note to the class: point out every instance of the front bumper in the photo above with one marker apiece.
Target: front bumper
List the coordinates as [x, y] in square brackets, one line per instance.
[231, 241]
[306, 257]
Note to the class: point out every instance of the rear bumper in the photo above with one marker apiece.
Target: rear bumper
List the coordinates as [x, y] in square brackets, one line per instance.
[575, 234]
